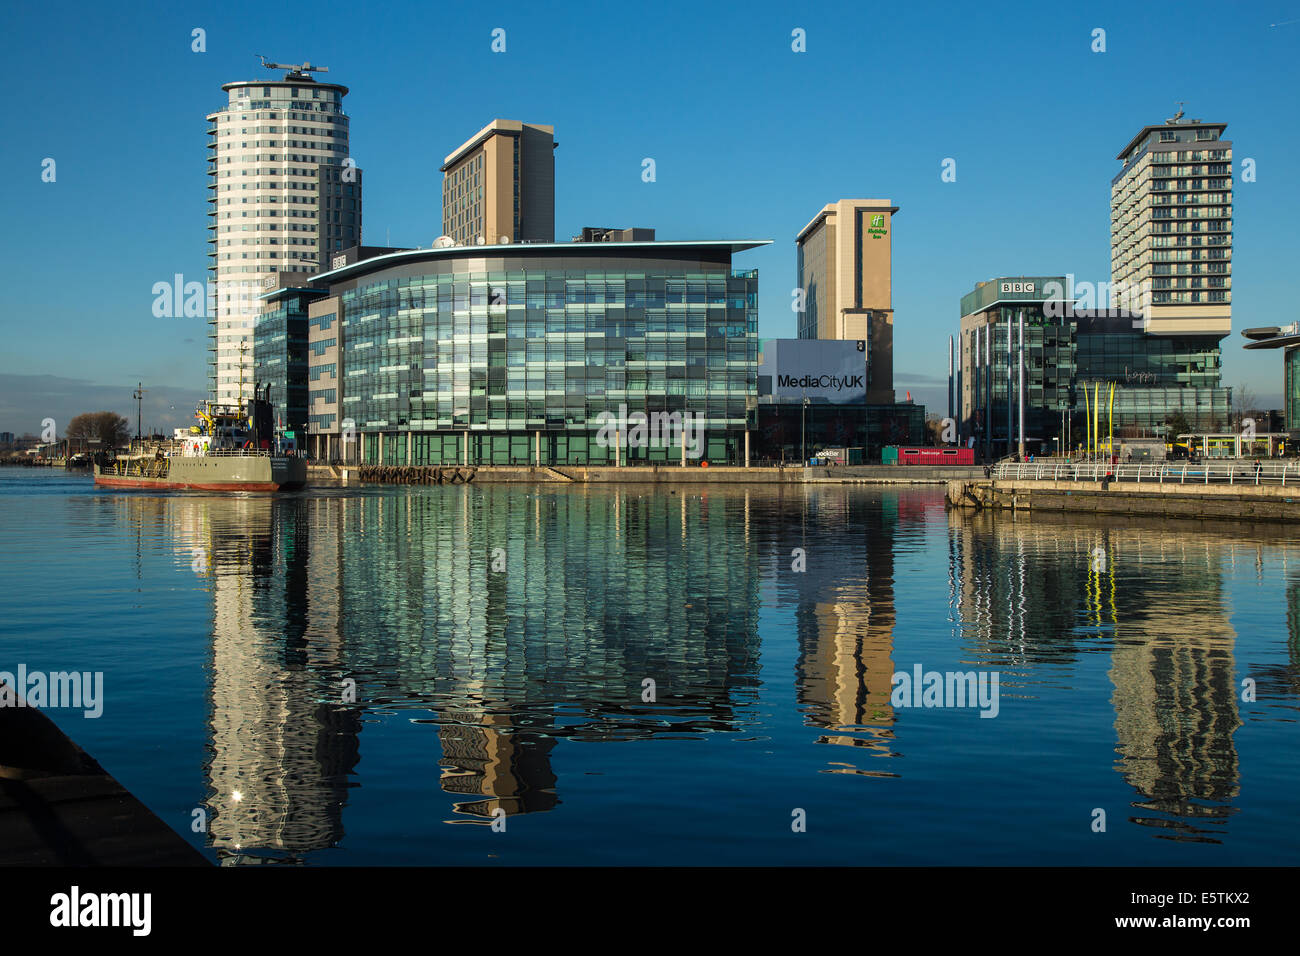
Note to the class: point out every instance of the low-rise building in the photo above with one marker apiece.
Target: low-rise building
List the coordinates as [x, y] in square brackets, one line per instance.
[536, 353]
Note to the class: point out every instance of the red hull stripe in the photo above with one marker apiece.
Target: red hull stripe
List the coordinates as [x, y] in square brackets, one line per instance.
[116, 482]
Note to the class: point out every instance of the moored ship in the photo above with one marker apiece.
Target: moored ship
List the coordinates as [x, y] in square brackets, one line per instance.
[233, 448]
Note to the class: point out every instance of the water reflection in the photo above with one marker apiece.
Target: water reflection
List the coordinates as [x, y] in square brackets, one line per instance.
[1041, 591]
[502, 623]
[845, 619]
[283, 741]
[511, 620]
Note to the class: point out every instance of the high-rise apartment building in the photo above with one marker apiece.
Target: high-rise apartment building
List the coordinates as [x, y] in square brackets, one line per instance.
[1171, 228]
[499, 186]
[844, 273]
[266, 148]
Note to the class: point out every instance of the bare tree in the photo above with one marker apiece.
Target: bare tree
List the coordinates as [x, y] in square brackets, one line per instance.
[1244, 402]
[108, 428]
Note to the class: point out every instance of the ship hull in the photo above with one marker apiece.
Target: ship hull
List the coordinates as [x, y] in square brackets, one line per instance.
[248, 473]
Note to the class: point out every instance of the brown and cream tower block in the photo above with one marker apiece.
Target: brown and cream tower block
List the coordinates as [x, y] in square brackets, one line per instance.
[845, 276]
[499, 185]
[1171, 228]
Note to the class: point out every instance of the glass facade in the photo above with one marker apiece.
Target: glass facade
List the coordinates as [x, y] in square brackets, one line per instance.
[1291, 367]
[788, 431]
[1128, 357]
[1157, 378]
[509, 352]
[988, 393]
[280, 353]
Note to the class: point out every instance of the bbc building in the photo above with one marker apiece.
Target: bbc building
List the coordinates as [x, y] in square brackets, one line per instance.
[1072, 357]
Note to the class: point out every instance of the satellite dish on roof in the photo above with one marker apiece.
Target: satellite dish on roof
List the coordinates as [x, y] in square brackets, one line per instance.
[503, 240]
[443, 242]
[480, 241]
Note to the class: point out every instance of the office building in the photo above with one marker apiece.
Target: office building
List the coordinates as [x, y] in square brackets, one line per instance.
[499, 185]
[520, 355]
[295, 347]
[1072, 356]
[281, 352]
[845, 277]
[1287, 339]
[339, 220]
[1171, 228]
[1161, 381]
[988, 365]
[266, 211]
[324, 335]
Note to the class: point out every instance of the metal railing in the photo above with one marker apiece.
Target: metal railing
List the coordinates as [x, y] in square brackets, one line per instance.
[1232, 472]
[231, 453]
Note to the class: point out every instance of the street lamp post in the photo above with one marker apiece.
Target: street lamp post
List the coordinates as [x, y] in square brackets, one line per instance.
[1020, 386]
[138, 395]
[803, 433]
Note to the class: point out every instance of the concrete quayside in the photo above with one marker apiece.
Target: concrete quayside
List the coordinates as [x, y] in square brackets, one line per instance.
[644, 474]
[59, 807]
[1229, 488]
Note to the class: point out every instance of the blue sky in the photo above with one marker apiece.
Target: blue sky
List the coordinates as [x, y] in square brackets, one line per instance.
[750, 140]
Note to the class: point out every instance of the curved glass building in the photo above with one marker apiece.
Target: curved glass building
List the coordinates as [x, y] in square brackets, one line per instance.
[523, 353]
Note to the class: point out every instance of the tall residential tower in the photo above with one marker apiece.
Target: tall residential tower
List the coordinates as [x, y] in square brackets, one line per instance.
[266, 150]
[1171, 227]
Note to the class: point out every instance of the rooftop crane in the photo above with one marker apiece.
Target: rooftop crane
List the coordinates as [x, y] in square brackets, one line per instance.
[296, 70]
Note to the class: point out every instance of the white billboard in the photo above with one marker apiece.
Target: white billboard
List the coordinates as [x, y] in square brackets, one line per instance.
[826, 370]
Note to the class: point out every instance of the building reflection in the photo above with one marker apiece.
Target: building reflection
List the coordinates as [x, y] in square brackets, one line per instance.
[1151, 594]
[541, 615]
[1282, 681]
[283, 742]
[494, 765]
[844, 613]
[506, 620]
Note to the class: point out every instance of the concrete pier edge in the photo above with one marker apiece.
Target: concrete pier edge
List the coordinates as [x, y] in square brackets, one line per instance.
[59, 807]
[1199, 501]
[644, 474]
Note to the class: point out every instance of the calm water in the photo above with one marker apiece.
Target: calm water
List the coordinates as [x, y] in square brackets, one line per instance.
[229, 629]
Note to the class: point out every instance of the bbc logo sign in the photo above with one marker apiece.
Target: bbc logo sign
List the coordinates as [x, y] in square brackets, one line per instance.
[1017, 287]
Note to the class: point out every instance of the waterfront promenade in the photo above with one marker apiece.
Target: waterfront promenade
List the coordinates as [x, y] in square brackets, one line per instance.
[645, 474]
[1229, 488]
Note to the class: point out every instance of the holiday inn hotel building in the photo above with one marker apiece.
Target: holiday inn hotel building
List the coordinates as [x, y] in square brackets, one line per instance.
[844, 270]
[509, 354]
